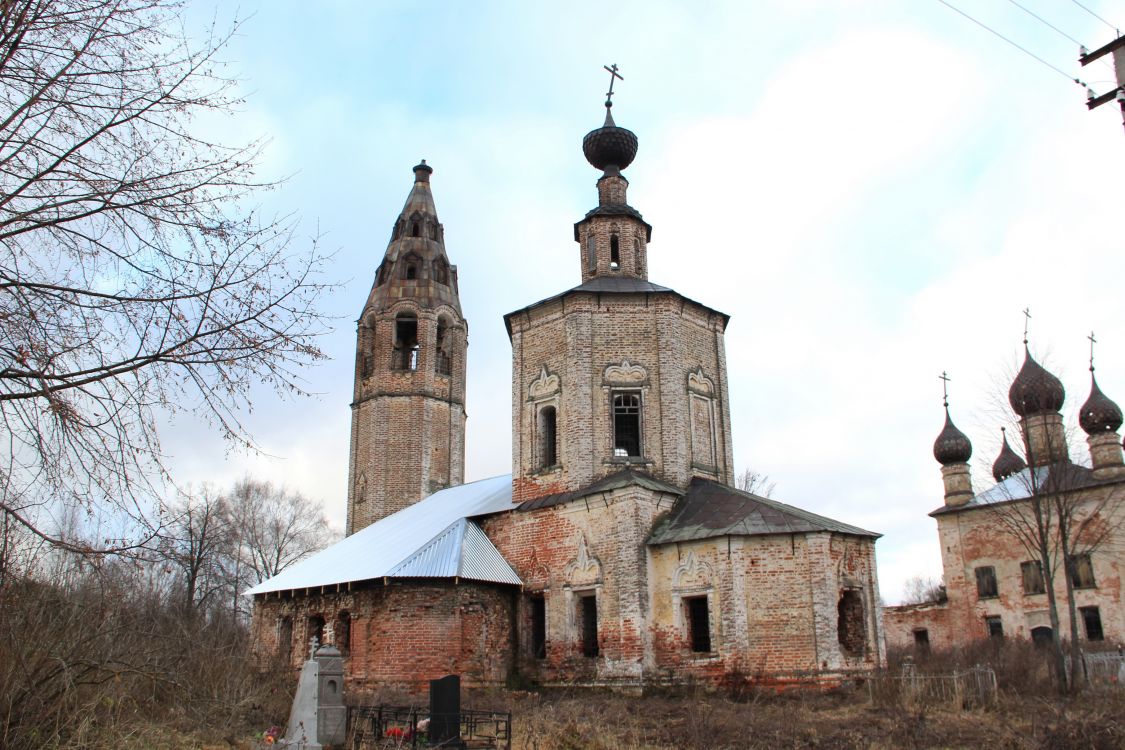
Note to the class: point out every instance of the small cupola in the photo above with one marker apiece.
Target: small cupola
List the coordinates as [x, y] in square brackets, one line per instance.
[1008, 462]
[952, 446]
[1099, 414]
[1035, 391]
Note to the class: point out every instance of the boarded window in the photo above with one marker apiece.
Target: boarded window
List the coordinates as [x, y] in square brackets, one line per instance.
[285, 638]
[588, 621]
[548, 437]
[702, 431]
[922, 639]
[538, 627]
[995, 626]
[1092, 619]
[850, 622]
[986, 582]
[699, 623]
[1081, 572]
[1032, 572]
[626, 424]
[405, 356]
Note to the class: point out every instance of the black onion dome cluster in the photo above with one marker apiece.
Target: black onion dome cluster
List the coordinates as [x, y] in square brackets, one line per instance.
[1099, 413]
[952, 446]
[1035, 391]
[610, 146]
[1007, 463]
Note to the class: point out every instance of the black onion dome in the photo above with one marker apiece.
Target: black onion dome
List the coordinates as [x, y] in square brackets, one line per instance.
[609, 145]
[952, 446]
[1035, 391]
[1099, 413]
[1007, 463]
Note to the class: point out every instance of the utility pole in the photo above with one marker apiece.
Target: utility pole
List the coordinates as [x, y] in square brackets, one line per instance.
[1117, 49]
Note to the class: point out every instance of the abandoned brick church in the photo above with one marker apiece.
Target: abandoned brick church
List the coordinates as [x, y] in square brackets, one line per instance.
[618, 553]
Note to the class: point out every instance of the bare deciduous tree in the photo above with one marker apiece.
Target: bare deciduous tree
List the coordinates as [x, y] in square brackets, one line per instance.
[275, 527]
[134, 276]
[922, 589]
[756, 483]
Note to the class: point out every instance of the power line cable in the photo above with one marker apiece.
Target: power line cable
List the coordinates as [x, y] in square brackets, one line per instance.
[1022, 49]
[1050, 25]
[1095, 15]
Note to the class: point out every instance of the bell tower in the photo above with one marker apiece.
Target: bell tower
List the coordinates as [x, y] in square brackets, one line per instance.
[408, 406]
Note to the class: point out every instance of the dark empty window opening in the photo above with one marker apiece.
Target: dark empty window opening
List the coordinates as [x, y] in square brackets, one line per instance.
[922, 639]
[1081, 572]
[699, 623]
[548, 455]
[381, 278]
[316, 629]
[1042, 635]
[411, 266]
[1032, 572]
[406, 343]
[614, 254]
[538, 627]
[415, 230]
[444, 362]
[433, 232]
[344, 631]
[626, 424]
[986, 582]
[588, 618]
[849, 622]
[995, 626]
[1092, 619]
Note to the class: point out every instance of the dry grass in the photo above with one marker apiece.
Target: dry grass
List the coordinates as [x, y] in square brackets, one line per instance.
[841, 719]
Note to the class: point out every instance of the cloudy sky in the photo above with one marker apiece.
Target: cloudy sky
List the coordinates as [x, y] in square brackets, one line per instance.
[872, 190]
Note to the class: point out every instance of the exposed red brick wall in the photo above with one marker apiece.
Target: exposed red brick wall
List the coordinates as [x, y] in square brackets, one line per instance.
[402, 635]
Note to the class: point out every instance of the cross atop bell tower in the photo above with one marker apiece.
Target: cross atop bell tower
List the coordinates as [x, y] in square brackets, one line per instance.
[613, 237]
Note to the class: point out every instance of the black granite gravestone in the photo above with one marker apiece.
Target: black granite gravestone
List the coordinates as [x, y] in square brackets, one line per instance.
[445, 712]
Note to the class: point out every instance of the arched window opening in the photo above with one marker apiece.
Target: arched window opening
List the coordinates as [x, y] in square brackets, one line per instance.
[850, 622]
[410, 265]
[415, 230]
[548, 451]
[344, 631]
[316, 629]
[441, 271]
[614, 253]
[444, 362]
[433, 232]
[626, 424]
[405, 356]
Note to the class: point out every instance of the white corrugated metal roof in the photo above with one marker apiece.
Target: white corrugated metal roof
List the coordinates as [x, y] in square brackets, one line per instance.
[431, 538]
